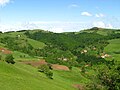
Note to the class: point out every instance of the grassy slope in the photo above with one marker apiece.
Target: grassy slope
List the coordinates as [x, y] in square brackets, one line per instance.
[16, 54]
[25, 77]
[26, 57]
[34, 43]
[113, 47]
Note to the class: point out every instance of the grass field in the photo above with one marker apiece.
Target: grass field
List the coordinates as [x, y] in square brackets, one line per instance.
[26, 77]
[19, 56]
[114, 49]
[34, 43]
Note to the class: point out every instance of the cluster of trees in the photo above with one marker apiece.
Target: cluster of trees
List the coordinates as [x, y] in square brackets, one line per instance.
[62, 57]
[107, 77]
[73, 41]
[110, 78]
[90, 59]
[68, 46]
[66, 41]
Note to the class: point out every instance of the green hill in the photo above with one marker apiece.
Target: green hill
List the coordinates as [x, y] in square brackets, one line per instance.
[90, 55]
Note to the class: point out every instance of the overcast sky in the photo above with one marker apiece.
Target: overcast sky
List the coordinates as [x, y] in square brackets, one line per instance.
[59, 15]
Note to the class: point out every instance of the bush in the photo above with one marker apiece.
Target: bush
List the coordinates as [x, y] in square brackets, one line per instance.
[50, 66]
[46, 70]
[9, 59]
[49, 74]
[43, 68]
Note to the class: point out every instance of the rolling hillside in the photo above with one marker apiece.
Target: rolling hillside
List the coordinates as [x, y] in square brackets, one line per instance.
[86, 54]
[25, 77]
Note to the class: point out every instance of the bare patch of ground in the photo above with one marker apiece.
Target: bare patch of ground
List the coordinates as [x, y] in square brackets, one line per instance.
[5, 51]
[35, 63]
[41, 62]
[60, 67]
[78, 86]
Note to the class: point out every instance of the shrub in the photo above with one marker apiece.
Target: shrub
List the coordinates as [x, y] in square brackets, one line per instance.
[50, 66]
[49, 74]
[43, 68]
[46, 70]
[9, 59]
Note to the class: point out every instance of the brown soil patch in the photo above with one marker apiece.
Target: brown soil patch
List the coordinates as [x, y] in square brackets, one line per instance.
[60, 67]
[5, 51]
[35, 63]
[41, 62]
[78, 86]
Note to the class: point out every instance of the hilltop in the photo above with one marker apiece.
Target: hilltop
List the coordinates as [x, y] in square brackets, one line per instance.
[63, 61]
